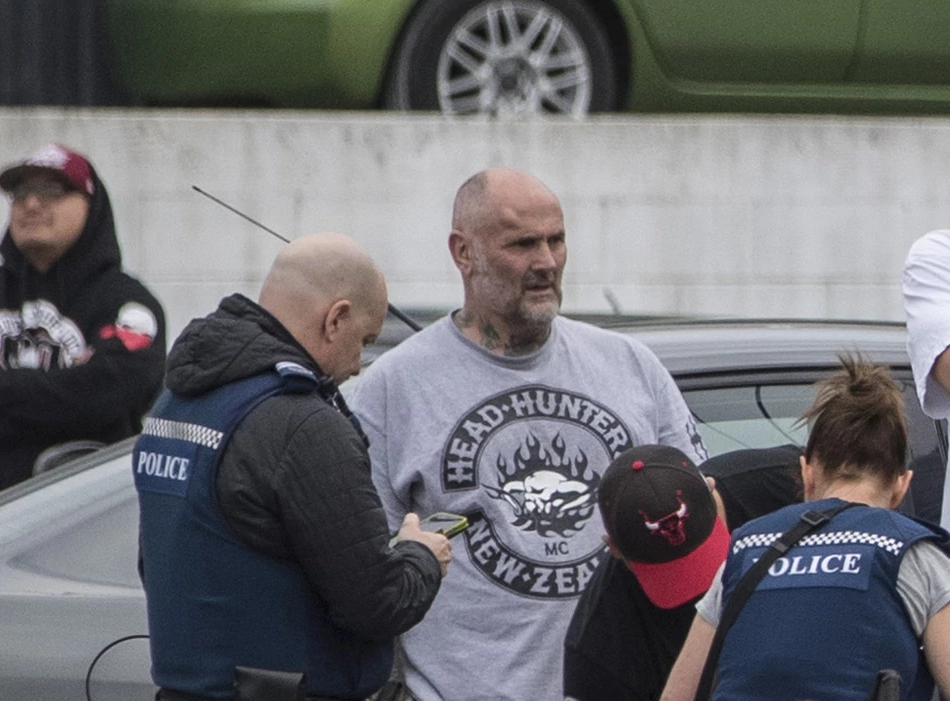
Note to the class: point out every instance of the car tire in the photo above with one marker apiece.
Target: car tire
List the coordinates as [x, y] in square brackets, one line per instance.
[474, 56]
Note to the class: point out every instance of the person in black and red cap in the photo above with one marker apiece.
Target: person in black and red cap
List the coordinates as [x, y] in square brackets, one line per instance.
[667, 540]
[82, 344]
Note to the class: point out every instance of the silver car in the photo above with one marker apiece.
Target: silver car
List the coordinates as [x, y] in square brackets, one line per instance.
[69, 587]
[72, 612]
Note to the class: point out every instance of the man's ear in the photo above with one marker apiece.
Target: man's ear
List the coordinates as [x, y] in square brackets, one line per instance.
[337, 316]
[461, 249]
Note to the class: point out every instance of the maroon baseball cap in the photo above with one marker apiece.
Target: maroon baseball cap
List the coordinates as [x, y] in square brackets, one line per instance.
[70, 166]
[660, 514]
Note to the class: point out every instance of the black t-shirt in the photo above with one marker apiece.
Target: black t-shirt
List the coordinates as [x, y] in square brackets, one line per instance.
[756, 481]
[620, 646]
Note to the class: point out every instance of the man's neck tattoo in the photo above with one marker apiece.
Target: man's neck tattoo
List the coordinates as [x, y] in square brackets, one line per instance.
[524, 341]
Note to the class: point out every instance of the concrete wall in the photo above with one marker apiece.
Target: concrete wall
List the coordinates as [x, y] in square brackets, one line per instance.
[738, 216]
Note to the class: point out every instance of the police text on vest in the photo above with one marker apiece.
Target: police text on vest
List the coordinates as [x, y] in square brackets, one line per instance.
[843, 563]
[160, 465]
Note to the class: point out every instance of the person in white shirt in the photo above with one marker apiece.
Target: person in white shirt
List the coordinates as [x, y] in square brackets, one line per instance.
[926, 290]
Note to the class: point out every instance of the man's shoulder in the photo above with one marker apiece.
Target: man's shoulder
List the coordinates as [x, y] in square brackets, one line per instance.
[284, 415]
[578, 327]
[780, 458]
[119, 288]
[575, 331]
[421, 347]
[934, 243]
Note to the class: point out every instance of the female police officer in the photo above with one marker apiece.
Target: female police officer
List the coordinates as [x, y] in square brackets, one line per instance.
[860, 594]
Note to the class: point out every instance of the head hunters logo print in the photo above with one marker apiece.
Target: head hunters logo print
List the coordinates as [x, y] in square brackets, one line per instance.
[531, 450]
[548, 493]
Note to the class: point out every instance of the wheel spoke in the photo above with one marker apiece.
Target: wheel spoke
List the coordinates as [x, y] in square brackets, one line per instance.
[466, 61]
[465, 84]
[467, 105]
[551, 36]
[493, 22]
[507, 107]
[559, 61]
[534, 29]
[472, 42]
[567, 80]
[561, 103]
[510, 15]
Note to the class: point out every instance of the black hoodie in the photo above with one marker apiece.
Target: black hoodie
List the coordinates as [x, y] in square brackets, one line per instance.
[82, 347]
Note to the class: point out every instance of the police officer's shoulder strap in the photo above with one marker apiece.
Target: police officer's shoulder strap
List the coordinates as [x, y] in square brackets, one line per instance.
[299, 379]
[807, 522]
[296, 378]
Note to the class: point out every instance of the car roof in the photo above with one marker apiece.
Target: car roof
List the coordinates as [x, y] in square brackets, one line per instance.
[688, 345]
[699, 346]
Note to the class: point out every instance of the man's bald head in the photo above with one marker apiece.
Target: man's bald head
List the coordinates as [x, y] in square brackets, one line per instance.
[317, 268]
[316, 277]
[482, 199]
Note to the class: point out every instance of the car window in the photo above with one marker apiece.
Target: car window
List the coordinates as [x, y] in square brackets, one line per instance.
[758, 414]
[79, 531]
[96, 550]
[753, 416]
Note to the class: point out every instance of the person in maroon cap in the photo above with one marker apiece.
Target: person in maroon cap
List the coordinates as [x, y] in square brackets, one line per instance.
[82, 344]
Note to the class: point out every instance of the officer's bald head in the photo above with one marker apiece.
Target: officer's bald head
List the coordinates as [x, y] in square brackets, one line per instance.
[311, 278]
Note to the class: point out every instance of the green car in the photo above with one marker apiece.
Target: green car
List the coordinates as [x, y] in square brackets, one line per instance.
[567, 57]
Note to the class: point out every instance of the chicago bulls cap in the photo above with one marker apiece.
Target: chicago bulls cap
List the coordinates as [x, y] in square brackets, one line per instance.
[659, 513]
[69, 166]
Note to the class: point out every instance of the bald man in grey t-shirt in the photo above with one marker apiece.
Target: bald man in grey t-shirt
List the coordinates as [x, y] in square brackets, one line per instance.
[509, 413]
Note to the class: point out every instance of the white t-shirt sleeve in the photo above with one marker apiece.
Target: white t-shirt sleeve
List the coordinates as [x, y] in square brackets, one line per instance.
[926, 289]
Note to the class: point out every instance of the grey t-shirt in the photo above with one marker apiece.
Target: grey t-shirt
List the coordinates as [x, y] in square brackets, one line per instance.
[518, 444]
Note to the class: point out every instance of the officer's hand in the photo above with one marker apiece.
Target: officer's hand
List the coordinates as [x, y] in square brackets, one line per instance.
[436, 542]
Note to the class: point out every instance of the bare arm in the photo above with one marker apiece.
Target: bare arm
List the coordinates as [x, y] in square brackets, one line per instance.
[941, 370]
[684, 677]
[937, 649]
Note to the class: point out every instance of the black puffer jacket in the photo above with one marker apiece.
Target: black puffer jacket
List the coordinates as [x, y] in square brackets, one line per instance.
[294, 481]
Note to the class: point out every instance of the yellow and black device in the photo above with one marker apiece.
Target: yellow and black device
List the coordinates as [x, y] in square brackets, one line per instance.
[448, 524]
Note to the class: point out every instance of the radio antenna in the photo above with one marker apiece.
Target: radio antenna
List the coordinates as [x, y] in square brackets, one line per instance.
[407, 320]
[240, 214]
